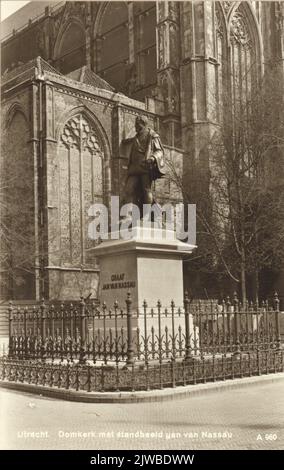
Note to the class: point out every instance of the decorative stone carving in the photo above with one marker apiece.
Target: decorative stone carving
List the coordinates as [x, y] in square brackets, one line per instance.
[239, 30]
[78, 133]
[279, 13]
[162, 39]
[227, 6]
[173, 10]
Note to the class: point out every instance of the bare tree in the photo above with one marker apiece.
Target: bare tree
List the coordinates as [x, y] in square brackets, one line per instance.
[21, 248]
[16, 217]
[241, 211]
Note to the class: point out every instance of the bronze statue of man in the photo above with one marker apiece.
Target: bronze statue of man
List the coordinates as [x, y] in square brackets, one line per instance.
[146, 163]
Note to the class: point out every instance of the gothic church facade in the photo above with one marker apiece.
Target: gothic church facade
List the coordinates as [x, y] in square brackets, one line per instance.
[74, 79]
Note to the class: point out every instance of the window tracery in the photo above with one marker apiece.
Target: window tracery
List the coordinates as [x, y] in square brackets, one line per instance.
[239, 31]
[78, 133]
[80, 185]
[237, 61]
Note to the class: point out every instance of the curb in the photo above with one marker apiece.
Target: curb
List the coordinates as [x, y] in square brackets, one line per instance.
[144, 396]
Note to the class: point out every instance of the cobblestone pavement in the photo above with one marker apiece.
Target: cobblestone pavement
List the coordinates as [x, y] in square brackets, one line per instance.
[246, 418]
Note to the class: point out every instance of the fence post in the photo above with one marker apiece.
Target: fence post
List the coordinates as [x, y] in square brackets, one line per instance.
[187, 330]
[82, 358]
[10, 318]
[130, 352]
[43, 328]
[236, 324]
[25, 333]
[277, 321]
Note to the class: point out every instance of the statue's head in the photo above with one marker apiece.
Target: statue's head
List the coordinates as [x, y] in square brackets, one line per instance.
[141, 123]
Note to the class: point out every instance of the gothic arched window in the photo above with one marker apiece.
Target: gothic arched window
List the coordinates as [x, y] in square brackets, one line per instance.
[72, 49]
[243, 51]
[237, 54]
[81, 184]
[244, 63]
[145, 42]
[112, 44]
[126, 46]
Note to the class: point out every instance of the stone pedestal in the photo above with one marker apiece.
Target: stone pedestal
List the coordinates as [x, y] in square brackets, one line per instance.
[148, 265]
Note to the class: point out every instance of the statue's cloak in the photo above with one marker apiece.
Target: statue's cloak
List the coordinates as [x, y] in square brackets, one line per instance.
[154, 149]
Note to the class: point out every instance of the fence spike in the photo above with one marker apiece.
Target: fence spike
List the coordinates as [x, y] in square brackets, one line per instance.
[228, 302]
[276, 301]
[235, 297]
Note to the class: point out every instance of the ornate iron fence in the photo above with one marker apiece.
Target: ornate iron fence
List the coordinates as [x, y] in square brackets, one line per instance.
[88, 378]
[96, 333]
[88, 346]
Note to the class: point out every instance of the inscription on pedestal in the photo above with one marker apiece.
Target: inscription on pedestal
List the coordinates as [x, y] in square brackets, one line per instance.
[118, 281]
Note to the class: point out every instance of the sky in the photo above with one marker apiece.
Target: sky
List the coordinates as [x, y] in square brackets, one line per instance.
[10, 6]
